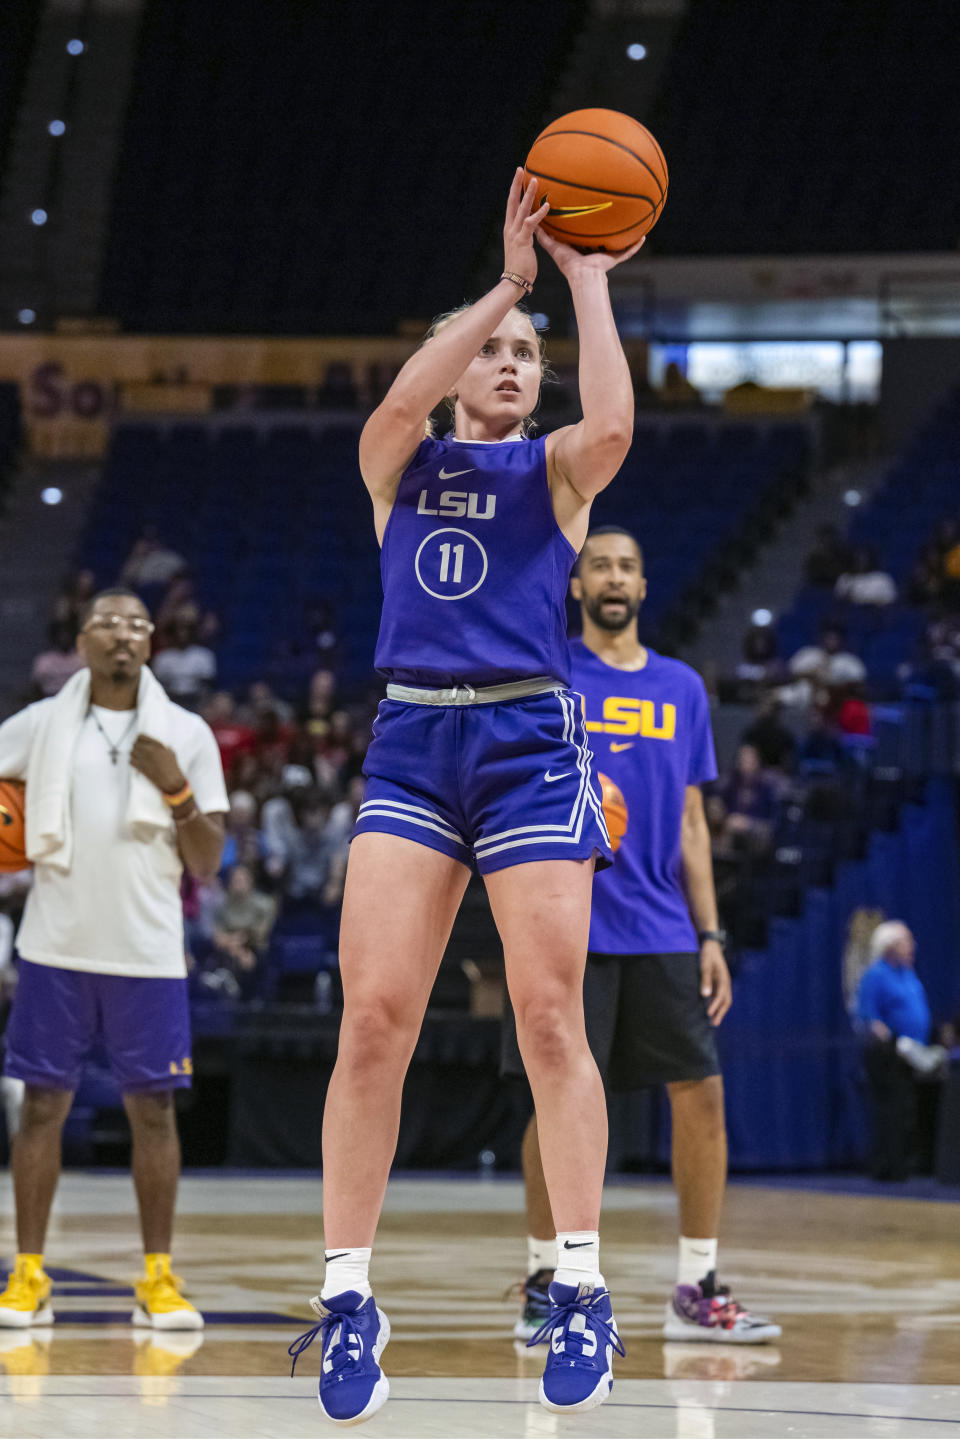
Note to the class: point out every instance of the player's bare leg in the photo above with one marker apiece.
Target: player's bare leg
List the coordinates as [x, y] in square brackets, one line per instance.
[539, 1215]
[699, 1155]
[399, 905]
[35, 1162]
[155, 1165]
[542, 911]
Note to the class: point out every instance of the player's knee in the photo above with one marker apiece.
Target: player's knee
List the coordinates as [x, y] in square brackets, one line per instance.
[374, 1034]
[546, 1034]
[702, 1101]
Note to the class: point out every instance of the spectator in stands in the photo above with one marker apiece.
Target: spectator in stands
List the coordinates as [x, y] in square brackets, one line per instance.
[850, 713]
[186, 669]
[336, 749]
[272, 743]
[233, 738]
[242, 833]
[864, 583]
[828, 664]
[828, 559]
[53, 667]
[76, 596]
[893, 1018]
[925, 582]
[820, 750]
[261, 700]
[311, 853]
[744, 805]
[150, 562]
[321, 703]
[773, 742]
[760, 664]
[243, 922]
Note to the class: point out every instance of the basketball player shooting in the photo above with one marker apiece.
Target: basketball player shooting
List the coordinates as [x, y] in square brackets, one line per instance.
[479, 757]
[656, 986]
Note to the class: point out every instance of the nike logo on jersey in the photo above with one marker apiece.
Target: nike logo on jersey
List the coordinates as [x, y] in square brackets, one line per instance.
[562, 776]
[452, 474]
[615, 748]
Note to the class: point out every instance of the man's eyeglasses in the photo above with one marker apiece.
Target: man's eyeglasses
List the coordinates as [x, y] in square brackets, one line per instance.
[134, 623]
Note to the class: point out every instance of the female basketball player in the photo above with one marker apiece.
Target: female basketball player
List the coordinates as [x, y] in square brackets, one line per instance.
[479, 756]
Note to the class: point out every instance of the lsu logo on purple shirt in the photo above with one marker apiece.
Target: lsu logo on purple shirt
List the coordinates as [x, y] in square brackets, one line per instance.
[650, 733]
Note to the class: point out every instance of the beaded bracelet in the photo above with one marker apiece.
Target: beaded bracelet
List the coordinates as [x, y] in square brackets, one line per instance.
[525, 285]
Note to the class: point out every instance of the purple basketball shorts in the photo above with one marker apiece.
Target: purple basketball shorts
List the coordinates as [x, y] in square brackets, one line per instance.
[490, 785]
[58, 1015]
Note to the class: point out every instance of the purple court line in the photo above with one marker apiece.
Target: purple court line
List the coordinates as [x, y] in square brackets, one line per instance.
[465, 1400]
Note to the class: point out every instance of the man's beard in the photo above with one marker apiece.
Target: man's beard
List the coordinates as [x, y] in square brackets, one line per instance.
[613, 623]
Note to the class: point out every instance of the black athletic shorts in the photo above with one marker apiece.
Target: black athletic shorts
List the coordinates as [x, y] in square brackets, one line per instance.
[646, 1022]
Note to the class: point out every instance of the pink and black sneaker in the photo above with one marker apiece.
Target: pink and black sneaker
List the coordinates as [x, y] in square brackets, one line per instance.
[708, 1312]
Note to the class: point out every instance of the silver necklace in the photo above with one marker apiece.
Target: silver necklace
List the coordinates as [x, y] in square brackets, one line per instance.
[114, 748]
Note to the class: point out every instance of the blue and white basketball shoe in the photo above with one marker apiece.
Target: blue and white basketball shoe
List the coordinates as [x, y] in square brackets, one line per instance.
[582, 1335]
[353, 1334]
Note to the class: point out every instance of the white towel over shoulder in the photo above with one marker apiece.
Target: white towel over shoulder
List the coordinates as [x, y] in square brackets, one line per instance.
[49, 831]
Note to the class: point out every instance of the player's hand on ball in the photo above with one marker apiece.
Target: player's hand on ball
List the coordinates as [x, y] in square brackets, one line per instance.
[520, 226]
[715, 981]
[158, 763]
[573, 262]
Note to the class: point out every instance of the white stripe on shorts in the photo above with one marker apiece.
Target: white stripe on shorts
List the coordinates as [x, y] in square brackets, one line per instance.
[434, 820]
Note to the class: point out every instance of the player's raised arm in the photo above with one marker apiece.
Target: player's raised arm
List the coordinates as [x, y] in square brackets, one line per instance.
[584, 458]
[396, 427]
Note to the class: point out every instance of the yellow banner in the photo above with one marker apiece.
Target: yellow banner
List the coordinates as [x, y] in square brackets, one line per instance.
[73, 386]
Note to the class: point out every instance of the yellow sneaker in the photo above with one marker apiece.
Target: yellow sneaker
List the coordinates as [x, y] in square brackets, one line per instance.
[26, 1299]
[159, 1302]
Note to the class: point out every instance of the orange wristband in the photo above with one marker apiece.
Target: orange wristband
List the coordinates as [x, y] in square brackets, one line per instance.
[178, 797]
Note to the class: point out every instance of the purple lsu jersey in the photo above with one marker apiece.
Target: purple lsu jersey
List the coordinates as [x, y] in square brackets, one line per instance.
[475, 568]
[650, 734]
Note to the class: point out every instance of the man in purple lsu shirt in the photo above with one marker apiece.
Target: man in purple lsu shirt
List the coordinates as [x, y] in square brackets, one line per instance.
[656, 983]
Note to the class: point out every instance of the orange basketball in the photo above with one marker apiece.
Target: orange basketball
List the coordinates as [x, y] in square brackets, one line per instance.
[13, 845]
[614, 810]
[605, 178]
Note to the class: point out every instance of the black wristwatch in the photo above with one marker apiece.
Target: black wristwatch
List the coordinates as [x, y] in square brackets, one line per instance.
[719, 935]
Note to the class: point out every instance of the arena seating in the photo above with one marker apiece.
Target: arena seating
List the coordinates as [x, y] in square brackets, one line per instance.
[919, 491]
[226, 220]
[274, 515]
[722, 119]
[18, 21]
[9, 430]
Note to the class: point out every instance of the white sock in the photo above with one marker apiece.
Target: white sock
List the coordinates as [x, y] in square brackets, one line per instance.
[578, 1257]
[541, 1255]
[695, 1259]
[347, 1269]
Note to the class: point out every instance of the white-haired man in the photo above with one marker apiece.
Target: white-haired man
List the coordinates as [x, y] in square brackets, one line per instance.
[894, 1019]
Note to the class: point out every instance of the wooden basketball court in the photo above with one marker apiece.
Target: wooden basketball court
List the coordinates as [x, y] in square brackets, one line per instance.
[867, 1290]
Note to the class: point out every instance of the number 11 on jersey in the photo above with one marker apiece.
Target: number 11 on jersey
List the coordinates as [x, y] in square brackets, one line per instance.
[445, 563]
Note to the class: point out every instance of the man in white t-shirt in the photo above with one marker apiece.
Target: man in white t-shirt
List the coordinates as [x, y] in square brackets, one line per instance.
[101, 941]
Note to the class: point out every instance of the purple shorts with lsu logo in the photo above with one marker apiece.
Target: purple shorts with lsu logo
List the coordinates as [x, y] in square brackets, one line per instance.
[58, 1016]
